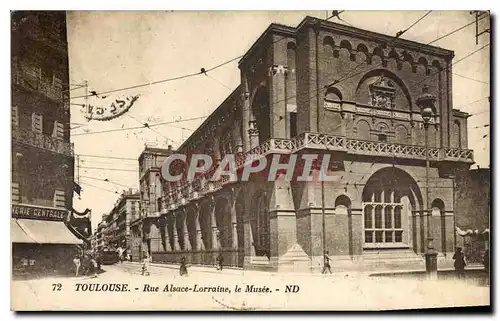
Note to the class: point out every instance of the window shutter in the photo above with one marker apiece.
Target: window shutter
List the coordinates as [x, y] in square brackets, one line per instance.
[15, 192]
[59, 199]
[15, 117]
[36, 123]
[58, 130]
[56, 82]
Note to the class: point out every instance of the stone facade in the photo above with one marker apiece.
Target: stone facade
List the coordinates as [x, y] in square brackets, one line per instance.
[328, 89]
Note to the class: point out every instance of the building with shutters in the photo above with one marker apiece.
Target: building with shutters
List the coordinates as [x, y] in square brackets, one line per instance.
[116, 230]
[42, 154]
[145, 235]
[328, 89]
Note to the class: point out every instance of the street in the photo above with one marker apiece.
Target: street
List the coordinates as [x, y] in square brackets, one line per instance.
[203, 289]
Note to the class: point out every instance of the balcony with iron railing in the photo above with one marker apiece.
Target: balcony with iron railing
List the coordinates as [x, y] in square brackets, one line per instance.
[42, 141]
[186, 191]
[29, 78]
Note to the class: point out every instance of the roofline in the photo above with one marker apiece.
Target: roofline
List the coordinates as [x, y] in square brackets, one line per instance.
[162, 151]
[371, 35]
[273, 27]
[209, 118]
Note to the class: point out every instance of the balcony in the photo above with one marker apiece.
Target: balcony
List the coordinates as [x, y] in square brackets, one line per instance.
[28, 77]
[203, 185]
[42, 141]
[381, 149]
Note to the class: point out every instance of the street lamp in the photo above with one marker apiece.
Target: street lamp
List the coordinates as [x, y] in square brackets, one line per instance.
[426, 102]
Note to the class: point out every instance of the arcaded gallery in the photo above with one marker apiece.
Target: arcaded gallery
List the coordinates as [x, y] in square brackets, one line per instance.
[380, 106]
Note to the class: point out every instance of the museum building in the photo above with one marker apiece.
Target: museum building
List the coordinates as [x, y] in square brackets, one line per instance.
[380, 106]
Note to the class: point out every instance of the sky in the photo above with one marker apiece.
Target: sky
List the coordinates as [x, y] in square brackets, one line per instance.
[112, 50]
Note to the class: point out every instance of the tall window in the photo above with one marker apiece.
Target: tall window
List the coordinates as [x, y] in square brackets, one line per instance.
[383, 223]
[387, 196]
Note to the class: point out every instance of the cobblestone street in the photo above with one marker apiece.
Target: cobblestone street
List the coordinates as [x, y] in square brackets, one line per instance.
[341, 291]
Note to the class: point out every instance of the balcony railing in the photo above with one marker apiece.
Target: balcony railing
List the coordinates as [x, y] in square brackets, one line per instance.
[42, 141]
[371, 148]
[204, 184]
[26, 76]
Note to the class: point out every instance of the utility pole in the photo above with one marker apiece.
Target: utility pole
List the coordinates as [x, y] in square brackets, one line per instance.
[478, 15]
[86, 84]
[77, 169]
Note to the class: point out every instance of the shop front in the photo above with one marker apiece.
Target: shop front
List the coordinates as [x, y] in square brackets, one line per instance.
[42, 244]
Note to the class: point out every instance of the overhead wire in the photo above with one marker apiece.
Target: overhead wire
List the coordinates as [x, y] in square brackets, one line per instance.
[139, 127]
[101, 188]
[470, 78]
[109, 169]
[104, 180]
[400, 33]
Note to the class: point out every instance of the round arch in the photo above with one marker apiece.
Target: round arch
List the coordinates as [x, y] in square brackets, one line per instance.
[376, 74]
[388, 198]
[260, 110]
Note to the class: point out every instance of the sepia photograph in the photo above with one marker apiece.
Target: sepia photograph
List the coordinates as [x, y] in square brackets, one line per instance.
[328, 160]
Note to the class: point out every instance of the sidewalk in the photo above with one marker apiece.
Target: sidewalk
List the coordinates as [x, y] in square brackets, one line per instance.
[242, 272]
[239, 271]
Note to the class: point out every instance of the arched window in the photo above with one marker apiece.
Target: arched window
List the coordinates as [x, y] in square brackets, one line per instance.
[383, 208]
[363, 130]
[333, 99]
[342, 205]
[401, 135]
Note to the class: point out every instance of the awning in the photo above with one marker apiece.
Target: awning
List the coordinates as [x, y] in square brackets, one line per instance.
[41, 232]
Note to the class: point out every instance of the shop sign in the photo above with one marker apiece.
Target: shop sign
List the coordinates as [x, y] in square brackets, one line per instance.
[40, 213]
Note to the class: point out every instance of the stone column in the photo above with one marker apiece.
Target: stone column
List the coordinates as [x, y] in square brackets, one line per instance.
[177, 246]
[356, 231]
[215, 230]
[249, 240]
[168, 248]
[187, 241]
[278, 100]
[253, 134]
[199, 240]
[245, 100]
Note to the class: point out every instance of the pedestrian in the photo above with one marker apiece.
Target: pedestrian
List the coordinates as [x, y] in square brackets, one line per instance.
[129, 257]
[183, 267]
[93, 265]
[220, 261]
[459, 263]
[486, 260]
[77, 262]
[98, 261]
[145, 264]
[120, 253]
[326, 263]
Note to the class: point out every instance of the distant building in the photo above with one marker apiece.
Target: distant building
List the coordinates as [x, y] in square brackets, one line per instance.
[147, 236]
[99, 234]
[114, 229]
[42, 154]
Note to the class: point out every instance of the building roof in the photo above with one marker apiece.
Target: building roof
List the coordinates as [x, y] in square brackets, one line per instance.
[213, 115]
